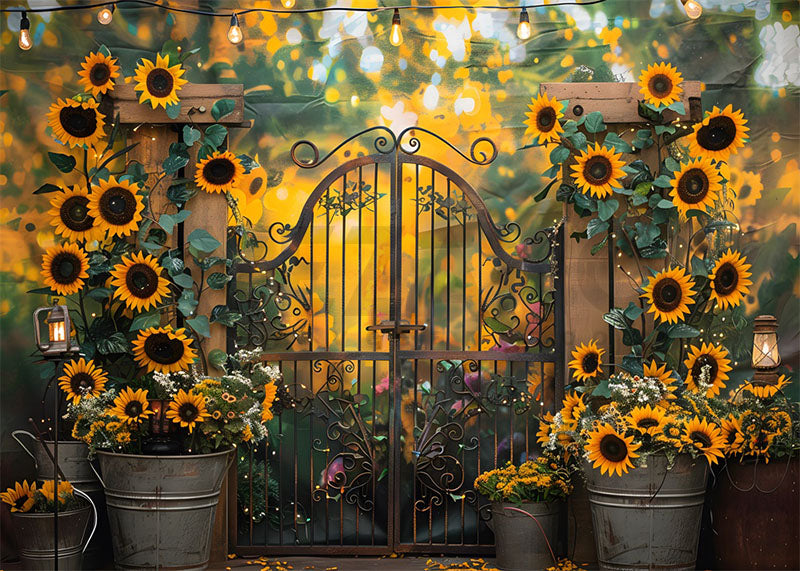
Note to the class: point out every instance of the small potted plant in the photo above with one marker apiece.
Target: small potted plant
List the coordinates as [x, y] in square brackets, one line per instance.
[32, 511]
[526, 503]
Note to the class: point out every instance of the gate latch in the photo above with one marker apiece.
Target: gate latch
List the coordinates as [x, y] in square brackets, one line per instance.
[397, 327]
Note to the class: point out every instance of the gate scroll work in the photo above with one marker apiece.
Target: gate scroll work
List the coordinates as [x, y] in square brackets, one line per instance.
[416, 339]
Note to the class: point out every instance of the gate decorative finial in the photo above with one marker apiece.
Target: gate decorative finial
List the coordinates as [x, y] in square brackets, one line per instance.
[476, 155]
[384, 144]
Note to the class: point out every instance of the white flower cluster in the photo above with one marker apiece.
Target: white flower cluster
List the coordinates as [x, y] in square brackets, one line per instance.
[170, 383]
[92, 407]
[636, 391]
[704, 379]
[253, 419]
[556, 426]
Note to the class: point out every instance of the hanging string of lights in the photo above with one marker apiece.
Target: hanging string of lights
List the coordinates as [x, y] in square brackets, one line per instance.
[105, 15]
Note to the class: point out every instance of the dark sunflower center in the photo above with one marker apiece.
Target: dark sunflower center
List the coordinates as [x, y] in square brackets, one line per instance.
[762, 441]
[731, 437]
[613, 448]
[219, 171]
[693, 186]
[99, 74]
[546, 119]
[701, 362]
[597, 170]
[118, 206]
[19, 503]
[161, 349]
[187, 412]
[133, 408]
[159, 82]
[74, 214]
[65, 268]
[255, 185]
[726, 279]
[700, 438]
[81, 383]
[667, 294]
[718, 134]
[647, 423]
[589, 363]
[660, 85]
[141, 280]
[78, 122]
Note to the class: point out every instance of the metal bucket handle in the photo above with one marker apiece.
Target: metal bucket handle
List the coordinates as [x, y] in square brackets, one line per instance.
[96, 473]
[22, 444]
[231, 458]
[86, 497]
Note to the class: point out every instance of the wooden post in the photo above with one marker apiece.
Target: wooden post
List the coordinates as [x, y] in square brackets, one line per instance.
[587, 295]
[154, 132]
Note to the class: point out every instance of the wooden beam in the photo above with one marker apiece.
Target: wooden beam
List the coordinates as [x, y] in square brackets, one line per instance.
[197, 99]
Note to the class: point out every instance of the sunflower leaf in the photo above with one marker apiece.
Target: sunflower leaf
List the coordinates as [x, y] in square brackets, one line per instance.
[191, 135]
[218, 358]
[200, 325]
[187, 303]
[222, 108]
[215, 135]
[174, 163]
[681, 330]
[145, 320]
[64, 163]
[602, 390]
[607, 208]
[136, 172]
[168, 221]
[183, 280]
[99, 293]
[616, 319]
[173, 264]
[224, 316]
[218, 280]
[633, 311]
[678, 107]
[615, 142]
[112, 344]
[595, 227]
[594, 122]
[599, 246]
[45, 188]
[663, 181]
[559, 154]
[203, 241]
[173, 110]
[699, 267]
[543, 194]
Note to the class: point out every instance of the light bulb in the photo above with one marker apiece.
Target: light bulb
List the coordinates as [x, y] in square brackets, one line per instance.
[235, 34]
[105, 15]
[693, 8]
[287, 3]
[25, 41]
[524, 27]
[396, 34]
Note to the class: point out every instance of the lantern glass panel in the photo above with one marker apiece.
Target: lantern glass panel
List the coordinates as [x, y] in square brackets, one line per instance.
[765, 350]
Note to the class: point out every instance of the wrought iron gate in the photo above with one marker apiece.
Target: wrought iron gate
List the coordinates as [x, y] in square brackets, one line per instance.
[416, 338]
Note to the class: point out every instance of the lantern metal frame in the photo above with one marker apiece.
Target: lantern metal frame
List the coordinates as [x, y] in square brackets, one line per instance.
[765, 325]
[55, 350]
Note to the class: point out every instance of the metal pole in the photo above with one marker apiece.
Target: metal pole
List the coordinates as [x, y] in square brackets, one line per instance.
[55, 470]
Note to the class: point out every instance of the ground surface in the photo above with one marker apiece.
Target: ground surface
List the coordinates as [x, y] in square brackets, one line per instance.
[356, 564]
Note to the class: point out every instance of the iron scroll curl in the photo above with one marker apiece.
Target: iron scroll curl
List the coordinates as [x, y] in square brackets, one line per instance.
[476, 155]
[384, 144]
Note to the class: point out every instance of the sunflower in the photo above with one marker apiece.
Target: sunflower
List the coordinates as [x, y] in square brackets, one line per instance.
[719, 135]
[70, 212]
[131, 407]
[64, 268]
[696, 186]
[660, 84]
[598, 171]
[138, 281]
[48, 491]
[270, 390]
[765, 391]
[219, 172]
[20, 497]
[715, 358]
[706, 437]
[611, 451]
[747, 185]
[759, 444]
[164, 350]
[543, 434]
[76, 123]
[571, 408]
[543, 119]
[646, 420]
[661, 373]
[669, 294]
[187, 409]
[732, 436]
[730, 279]
[159, 83]
[586, 360]
[82, 380]
[116, 206]
[98, 73]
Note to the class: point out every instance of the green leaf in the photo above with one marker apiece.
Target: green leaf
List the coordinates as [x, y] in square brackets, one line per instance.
[180, 194]
[99, 293]
[579, 140]
[595, 227]
[173, 110]
[607, 208]
[661, 129]
[45, 188]
[681, 330]
[218, 280]
[615, 142]
[616, 319]
[136, 172]
[145, 320]
[543, 194]
[672, 164]
[564, 192]
[496, 325]
[599, 246]
[200, 325]
[112, 344]
[224, 316]
[64, 163]
[221, 108]
[663, 181]
[217, 358]
[104, 50]
[699, 267]
[190, 135]
[601, 390]
[210, 261]
[174, 163]
[552, 171]
[203, 241]
[173, 264]
[187, 303]
[646, 233]
[183, 280]
[168, 221]
[665, 204]
[594, 122]
[215, 135]
[559, 155]
[633, 311]
[678, 107]
[585, 202]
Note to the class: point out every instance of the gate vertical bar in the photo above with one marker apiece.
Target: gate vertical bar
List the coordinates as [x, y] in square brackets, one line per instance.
[395, 227]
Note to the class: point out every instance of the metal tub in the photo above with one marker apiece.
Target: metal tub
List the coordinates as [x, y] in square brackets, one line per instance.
[650, 517]
[521, 544]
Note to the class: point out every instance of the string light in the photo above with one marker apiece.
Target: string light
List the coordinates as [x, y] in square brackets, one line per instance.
[693, 8]
[524, 28]
[287, 3]
[25, 42]
[396, 34]
[105, 15]
[235, 35]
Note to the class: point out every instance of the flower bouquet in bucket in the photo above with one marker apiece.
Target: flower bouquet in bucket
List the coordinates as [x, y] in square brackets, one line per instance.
[526, 505]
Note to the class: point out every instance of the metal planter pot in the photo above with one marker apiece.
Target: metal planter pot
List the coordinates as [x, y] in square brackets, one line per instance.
[72, 458]
[756, 521]
[161, 508]
[521, 544]
[650, 517]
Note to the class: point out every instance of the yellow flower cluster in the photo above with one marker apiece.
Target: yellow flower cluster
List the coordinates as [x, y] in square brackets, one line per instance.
[533, 481]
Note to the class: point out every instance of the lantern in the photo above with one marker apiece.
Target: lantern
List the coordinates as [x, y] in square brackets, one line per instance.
[766, 357]
[58, 343]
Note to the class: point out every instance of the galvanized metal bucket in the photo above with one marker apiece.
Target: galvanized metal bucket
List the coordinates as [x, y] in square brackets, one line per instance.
[72, 458]
[161, 508]
[34, 533]
[522, 543]
[650, 517]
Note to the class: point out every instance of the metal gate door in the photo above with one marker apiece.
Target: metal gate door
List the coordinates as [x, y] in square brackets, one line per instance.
[416, 338]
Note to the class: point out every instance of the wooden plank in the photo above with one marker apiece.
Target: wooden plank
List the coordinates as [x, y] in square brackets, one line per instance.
[618, 102]
[197, 99]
